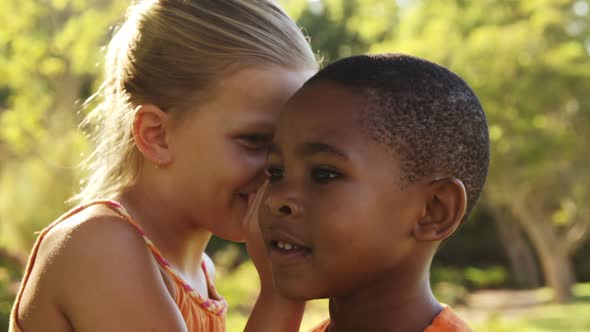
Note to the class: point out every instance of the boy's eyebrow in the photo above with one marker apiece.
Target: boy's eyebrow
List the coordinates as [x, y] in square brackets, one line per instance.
[311, 148]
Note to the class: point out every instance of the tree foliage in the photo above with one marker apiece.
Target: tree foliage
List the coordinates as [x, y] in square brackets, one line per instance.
[528, 60]
[49, 56]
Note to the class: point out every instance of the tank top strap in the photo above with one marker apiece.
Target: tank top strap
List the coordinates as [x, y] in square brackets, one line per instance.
[210, 283]
[122, 212]
[214, 303]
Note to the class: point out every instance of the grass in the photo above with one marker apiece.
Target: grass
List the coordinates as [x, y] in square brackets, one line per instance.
[572, 317]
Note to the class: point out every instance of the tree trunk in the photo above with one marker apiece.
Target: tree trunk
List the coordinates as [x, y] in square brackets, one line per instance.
[520, 255]
[559, 272]
[555, 259]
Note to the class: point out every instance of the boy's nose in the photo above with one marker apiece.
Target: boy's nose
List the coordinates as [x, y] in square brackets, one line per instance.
[283, 207]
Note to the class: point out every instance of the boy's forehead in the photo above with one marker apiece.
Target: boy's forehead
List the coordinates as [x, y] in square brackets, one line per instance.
[326, 105]
[325, 113]
[327, 118]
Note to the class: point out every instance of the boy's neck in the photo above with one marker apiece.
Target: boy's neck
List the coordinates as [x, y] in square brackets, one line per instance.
[400, 301]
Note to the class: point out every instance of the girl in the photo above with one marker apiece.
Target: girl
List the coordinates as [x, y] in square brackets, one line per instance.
[187, 108]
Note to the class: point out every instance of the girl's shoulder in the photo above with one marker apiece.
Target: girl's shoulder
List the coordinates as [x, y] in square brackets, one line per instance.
[90, 243]
[96, 233]
[97, 262]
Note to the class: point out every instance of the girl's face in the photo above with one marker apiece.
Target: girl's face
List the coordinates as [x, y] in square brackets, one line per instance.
[219, 148]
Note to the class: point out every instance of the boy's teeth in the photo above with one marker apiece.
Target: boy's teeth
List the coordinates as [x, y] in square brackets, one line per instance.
[286, 246]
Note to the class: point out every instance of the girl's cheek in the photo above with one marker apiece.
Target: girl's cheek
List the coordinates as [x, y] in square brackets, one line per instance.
[254, 161]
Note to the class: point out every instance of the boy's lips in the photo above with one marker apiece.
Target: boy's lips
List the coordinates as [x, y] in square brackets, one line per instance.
[276, 234]
[285, 248]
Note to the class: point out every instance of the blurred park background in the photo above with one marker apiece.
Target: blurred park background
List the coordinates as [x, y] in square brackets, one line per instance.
[522, 263]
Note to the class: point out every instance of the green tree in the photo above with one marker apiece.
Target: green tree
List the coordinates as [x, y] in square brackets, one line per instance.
[339, 28]
[529, 63]
[528, 60]
[49, 51]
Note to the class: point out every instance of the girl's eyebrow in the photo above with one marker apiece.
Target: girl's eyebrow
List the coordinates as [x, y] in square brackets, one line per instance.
[261, 126]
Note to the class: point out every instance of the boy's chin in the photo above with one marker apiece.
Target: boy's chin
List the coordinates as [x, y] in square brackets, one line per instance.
[296, 292]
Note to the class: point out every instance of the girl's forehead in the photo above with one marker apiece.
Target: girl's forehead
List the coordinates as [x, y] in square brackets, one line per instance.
[262, 83]
[251, 93]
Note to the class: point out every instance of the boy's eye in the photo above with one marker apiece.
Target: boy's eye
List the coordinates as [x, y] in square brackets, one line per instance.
[274, 173]
[324, 175]
[255, 141]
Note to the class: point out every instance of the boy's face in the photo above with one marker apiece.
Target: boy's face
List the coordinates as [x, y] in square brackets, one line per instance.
[335, 218]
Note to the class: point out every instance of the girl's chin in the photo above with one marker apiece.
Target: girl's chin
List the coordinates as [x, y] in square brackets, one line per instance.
[232, 226]
[240, 238]
[234, 232]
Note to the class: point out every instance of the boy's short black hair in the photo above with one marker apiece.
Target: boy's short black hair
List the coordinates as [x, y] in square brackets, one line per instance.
[427, 115]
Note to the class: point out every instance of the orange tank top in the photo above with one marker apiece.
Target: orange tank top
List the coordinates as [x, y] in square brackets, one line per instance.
[445, 321]
[200, 314]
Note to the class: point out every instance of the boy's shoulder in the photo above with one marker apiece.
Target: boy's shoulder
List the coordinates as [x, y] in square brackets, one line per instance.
[448, 321]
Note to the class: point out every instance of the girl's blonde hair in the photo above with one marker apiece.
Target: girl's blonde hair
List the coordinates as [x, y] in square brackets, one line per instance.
[167, 50]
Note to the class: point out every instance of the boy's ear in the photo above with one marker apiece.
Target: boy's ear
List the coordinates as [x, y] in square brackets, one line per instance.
[445, 208]
[150, 135]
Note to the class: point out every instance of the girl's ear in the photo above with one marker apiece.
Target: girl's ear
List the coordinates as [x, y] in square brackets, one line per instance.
[445, 209]
[150, 135]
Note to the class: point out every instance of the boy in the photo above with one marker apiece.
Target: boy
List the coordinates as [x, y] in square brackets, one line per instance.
[375, 162]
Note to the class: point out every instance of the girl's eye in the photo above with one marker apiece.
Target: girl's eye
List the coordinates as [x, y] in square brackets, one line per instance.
[255, 142]
[323, 175]
[274, 173]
